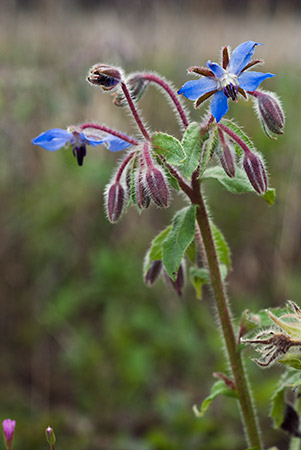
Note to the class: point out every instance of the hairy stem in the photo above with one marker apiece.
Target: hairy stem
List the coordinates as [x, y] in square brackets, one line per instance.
[96, 126]
[155, 79]
[224, 313]
[134, 111]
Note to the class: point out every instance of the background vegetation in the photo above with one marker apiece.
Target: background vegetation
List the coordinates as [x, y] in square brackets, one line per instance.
[85, 347]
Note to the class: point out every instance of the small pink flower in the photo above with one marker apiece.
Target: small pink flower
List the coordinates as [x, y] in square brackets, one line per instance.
[8, 430]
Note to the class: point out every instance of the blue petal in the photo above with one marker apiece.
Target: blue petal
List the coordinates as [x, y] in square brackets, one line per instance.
[216, 69]
[114, 144]
[219, 105]
[196, 88]
[53, 139]
[241, 56]
[90, 140]
[249, 81]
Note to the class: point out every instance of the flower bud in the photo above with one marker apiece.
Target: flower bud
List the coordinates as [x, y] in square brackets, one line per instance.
[226, 157]
[104, 76]
[142, 198]
[8, 431]
[270, 112]
[157, 187]
[255, 171]
[50, 436]
[153, 272]
[136, 85]
[178, 284]
[115, 200]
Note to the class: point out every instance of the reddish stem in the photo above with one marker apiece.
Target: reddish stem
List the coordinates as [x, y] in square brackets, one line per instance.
[123, 165]
[135, 112]
[155, 79]
[235, 138]
[122, 136]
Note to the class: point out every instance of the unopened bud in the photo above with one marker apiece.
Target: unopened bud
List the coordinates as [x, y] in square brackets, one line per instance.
[136, 85]
[50, 437]
[115, 200]
[226, 157]
[157, 187]
[178, 284]
[142, 197]
[153, 272]
[255, 171]
[270, 112]
[8, 426]
[104, 76]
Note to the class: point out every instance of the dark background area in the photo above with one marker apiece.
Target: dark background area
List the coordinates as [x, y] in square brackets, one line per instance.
[85, 347]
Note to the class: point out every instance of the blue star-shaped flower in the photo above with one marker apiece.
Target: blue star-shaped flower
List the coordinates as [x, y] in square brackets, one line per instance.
[57, 138]
[225, 82]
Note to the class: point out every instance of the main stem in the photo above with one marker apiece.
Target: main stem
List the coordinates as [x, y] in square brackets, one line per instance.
[240, 378]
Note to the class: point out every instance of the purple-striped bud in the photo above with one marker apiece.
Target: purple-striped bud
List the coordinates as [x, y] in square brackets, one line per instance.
[178, 284]
[104, 76]
[255, 171]
[8, 431]
[50, 437]
[157, 187]
[225, 156]
[142, 197]
[153, 272]
[115, 201]
[270, 112]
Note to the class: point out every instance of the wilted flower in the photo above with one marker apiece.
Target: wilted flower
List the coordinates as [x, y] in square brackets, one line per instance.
[57, 138]
[8, 431]
[104, 76]
[225, 82]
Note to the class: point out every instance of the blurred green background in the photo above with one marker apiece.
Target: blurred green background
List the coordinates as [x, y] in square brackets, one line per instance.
[85, 347]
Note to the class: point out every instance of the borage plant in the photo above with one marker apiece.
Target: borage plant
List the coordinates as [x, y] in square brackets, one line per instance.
[156, 164]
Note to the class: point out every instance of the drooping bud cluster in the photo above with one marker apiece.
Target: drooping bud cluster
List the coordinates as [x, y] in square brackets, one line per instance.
[104, 76]
[269, 111]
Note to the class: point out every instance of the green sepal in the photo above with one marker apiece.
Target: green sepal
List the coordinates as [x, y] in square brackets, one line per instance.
[155, 251]
[169, 147]
[198, 277]
[192, 143]
[218, 388]
[178, 240]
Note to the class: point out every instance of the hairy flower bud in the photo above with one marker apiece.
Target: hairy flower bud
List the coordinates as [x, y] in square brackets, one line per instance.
[8, 426]
[142, 197]
[136, 85]
[115, 201]
[50, 436]
[225, 156]
[153, 272]
[157, 187]
[270, 112]
[255, 171]
[104, 76]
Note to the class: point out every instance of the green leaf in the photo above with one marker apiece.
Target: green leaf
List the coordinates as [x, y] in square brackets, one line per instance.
[155, 251]
[219, 388]
[291, 360]
[278, 408]
[198, 277]
[169, 147]
[222, 248]
[291, 379]
[192, 143]
[238, 184]
[179, 238]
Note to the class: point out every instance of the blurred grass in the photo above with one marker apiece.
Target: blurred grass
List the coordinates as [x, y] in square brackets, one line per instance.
[85, 346]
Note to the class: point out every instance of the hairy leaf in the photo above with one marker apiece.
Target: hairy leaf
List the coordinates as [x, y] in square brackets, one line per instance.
[179, 238]
[218, 388]
[192, 143]
[169, 147]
